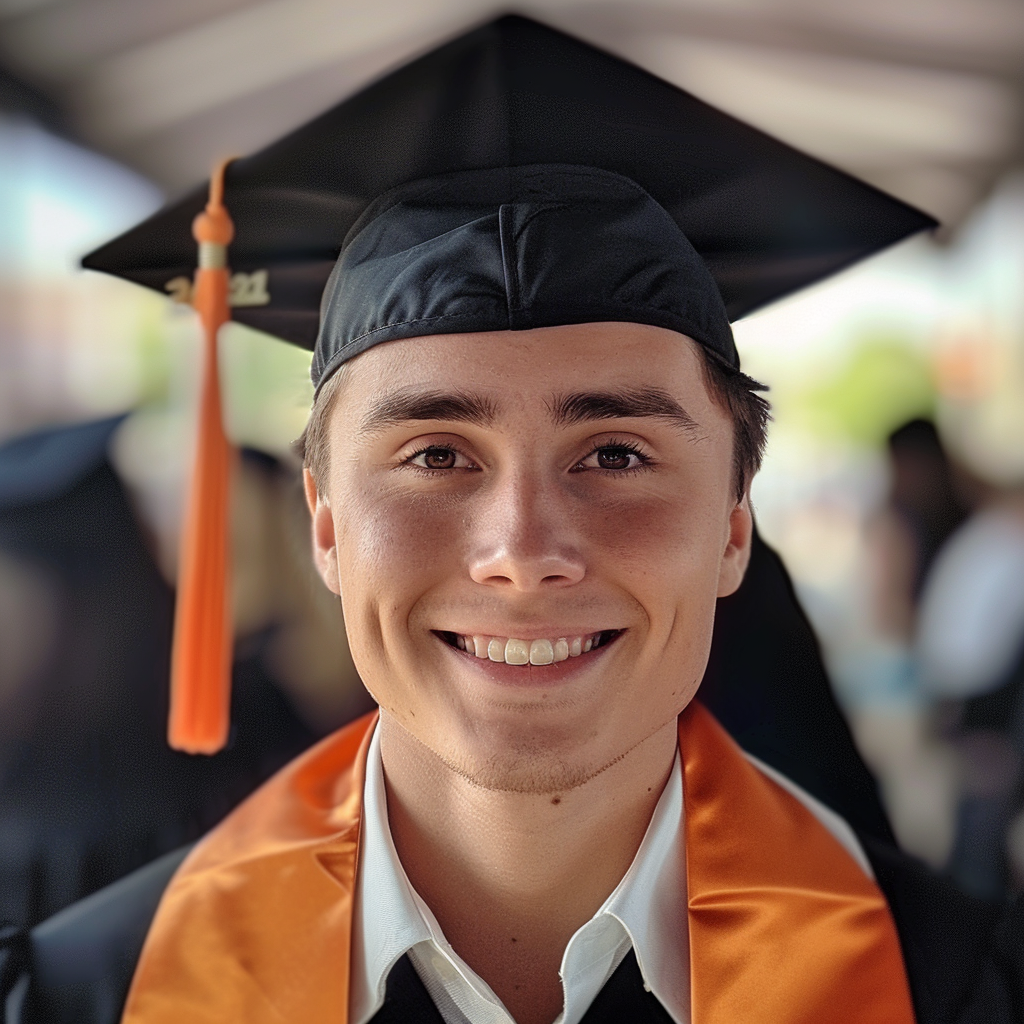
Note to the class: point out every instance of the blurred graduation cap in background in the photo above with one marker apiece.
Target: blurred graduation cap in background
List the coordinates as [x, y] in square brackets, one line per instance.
[514, 177]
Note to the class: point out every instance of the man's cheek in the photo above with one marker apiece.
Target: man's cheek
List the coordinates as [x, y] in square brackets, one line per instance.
[398, 542]
[649, 534]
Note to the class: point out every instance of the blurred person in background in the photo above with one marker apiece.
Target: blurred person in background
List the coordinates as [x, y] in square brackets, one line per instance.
[937, 711]
[890, 714]
[926, 508]
[88, 788]
[970, 649]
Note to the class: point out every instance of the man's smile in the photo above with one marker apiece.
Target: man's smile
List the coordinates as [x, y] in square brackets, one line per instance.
[537, 651]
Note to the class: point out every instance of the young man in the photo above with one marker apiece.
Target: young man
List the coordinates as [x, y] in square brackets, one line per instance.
[528, 469]
[529, 532]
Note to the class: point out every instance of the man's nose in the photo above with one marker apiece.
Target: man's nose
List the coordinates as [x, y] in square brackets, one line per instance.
[525, 538]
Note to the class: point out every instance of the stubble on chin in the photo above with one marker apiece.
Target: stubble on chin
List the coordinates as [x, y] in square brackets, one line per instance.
[527, 772]
[528, 766]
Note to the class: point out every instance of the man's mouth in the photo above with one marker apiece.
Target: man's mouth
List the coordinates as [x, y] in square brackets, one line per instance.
[512, 651]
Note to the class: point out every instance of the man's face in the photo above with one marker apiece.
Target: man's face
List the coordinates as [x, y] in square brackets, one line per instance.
[569, 488]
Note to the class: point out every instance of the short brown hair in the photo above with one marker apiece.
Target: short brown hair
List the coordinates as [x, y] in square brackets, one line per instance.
[733, 391]
[738, 395]
[313, 445]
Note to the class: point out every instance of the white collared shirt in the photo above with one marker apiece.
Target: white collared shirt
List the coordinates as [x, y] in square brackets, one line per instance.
[646, 912]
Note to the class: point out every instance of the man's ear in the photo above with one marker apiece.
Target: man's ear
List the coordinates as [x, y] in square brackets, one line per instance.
[736, 556]
[325, 555]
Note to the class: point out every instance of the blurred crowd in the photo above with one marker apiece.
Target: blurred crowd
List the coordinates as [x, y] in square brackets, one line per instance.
[935, 691]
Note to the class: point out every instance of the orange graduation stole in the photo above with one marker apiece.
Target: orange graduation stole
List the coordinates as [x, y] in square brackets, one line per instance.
[784, 926]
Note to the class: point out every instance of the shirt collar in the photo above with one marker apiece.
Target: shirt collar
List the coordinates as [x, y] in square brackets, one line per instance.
[381, 938]
[650, 902]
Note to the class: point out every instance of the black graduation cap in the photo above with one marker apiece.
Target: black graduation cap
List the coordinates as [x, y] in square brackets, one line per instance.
[531, 168]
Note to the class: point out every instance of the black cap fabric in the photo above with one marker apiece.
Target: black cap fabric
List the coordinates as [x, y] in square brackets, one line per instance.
[543, 114]
[514, 248]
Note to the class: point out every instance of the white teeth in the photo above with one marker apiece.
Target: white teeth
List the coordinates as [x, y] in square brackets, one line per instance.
[542, 652]
[512, 651]
[517, 652]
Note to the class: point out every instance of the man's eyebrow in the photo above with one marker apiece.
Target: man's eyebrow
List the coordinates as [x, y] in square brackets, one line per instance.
[413, 404]
[627, 403]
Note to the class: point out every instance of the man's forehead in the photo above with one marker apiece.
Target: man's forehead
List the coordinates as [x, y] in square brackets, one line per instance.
[596, 353]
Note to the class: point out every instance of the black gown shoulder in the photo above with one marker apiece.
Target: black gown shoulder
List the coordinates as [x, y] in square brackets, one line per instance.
[964, 956]
[76, 967]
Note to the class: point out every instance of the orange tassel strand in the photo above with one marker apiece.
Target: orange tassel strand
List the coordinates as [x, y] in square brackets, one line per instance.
[202, 652]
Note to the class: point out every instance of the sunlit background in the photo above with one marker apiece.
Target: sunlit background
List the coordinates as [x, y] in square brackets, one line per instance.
[110, 107]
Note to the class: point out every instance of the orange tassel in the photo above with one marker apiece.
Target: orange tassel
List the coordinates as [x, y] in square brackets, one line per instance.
[202, 652]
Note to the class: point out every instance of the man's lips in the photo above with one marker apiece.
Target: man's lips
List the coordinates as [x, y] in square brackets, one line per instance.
[538, 651]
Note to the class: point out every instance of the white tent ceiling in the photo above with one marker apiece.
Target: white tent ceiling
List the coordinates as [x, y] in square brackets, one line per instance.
[922, 97]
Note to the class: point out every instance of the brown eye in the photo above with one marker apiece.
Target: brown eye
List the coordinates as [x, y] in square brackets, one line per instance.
[439, 458]
[614, 458]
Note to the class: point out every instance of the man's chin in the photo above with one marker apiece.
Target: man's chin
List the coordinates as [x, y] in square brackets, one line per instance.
[522, 750]
[529, 761]
[530, 772]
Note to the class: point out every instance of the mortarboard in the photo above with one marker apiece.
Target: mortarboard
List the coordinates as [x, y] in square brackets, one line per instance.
[514, 177]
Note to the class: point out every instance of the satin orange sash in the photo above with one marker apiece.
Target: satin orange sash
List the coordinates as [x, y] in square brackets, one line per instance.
[785, 927]
[255, 928]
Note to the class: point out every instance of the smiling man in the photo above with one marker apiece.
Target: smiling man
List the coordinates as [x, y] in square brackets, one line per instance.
[528, 467]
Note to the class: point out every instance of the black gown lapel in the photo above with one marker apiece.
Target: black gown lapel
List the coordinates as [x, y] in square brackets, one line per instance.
[623, 1000]
[406, 999]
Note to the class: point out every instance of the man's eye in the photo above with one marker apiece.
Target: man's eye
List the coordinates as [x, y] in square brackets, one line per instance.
[615, 457]
[438, 457]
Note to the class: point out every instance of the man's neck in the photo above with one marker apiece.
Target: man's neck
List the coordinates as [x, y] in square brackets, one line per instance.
[511, 876]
